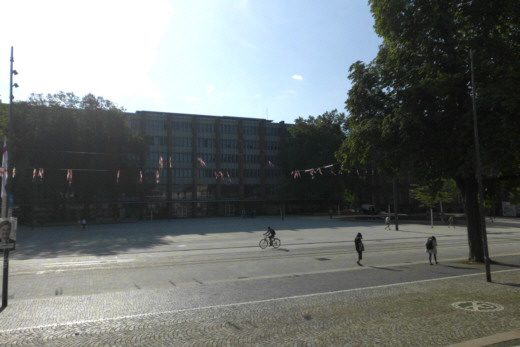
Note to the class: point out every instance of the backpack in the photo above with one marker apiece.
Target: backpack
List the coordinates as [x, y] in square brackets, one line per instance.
[429, 243]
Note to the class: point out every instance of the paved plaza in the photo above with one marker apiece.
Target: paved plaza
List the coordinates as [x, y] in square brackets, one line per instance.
[463, 309]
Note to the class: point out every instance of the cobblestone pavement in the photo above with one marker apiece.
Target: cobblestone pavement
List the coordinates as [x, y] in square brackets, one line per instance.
[410, 314]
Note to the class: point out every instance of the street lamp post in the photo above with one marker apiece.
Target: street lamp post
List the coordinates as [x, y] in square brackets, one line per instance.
[12, 73]
[7, 184]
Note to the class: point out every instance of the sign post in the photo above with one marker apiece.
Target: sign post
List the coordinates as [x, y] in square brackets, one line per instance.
[8, 228]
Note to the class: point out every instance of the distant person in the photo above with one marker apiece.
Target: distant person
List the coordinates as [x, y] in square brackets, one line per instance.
[359, 247]
[450, 223]
[331, 213]
[271, 234]
[431, 248]
[387, 221]
[84, 223]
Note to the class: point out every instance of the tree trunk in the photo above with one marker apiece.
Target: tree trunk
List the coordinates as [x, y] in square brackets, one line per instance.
[469, 189]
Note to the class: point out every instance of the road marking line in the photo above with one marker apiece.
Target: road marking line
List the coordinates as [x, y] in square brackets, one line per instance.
[140, 315]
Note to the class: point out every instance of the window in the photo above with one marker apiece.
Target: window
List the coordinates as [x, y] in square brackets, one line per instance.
[182, 141]
[182, 126]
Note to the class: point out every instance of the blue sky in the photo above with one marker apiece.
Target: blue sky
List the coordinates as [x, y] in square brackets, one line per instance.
[274, 59]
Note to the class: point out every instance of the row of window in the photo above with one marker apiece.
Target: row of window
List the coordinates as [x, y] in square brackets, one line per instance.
[208, 158]
[227, 174]
[209, 143]
[186, 126]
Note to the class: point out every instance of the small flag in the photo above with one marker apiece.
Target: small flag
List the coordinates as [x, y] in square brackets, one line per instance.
[140, 177]
[171, 163]
[161, 163]
[202, 163]
[69, 176]
[270, 164]
[14, 172]
[40, 173]
[157, 177]
[34, 174]
[117, 176]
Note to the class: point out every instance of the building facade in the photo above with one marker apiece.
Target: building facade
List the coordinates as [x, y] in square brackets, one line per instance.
[208, 165]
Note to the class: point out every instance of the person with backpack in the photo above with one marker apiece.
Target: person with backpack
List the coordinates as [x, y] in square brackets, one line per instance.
[431, 248]
[359, 247]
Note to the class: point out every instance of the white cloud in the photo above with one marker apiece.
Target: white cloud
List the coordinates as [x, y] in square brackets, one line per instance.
[297, 77]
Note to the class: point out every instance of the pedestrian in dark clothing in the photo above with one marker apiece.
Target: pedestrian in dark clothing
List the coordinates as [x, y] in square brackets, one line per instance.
[431, 248]
[359, 247]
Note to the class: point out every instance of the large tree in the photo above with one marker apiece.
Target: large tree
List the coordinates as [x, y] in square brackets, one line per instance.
[60, 132]
[312, 144]
[412, 103]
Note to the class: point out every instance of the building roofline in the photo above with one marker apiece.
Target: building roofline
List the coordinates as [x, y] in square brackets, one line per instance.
[204, 116]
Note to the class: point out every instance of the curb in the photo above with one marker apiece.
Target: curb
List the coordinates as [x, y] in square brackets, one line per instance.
[511, 338]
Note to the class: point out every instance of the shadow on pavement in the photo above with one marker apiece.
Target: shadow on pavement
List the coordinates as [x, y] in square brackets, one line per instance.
[113, 239]
[385, 268]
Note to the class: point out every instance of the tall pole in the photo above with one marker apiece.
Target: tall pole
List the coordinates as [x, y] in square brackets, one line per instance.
[394, 186]
[5, 274]
[6, 198]
[479, 173]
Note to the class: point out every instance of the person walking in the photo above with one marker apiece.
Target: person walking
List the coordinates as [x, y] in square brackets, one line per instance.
[431, 248]
[387, 221]
[359, 247]
[450, 223]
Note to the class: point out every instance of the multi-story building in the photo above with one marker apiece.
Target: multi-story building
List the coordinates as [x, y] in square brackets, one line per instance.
[211, 165]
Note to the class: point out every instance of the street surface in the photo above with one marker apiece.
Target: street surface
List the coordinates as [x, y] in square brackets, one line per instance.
[206, 282]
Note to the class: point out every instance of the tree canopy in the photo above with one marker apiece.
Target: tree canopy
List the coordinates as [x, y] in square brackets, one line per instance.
[312, 144]
[62, 132]
[412, 104]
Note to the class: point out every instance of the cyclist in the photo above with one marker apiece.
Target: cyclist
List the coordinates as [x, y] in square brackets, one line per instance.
[271, 234]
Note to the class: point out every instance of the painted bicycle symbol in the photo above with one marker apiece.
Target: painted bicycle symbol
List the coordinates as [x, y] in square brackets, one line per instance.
[477, 306]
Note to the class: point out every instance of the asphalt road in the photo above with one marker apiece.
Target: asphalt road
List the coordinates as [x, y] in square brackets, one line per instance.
[212, 267]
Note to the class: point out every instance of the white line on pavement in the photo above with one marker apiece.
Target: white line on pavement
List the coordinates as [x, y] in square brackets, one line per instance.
[248, 302]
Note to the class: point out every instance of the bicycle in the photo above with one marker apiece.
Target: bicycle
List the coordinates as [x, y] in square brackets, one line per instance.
[265, 242]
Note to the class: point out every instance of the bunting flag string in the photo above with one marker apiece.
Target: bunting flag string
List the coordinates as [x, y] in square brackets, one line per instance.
[220, 175]
[333, 171]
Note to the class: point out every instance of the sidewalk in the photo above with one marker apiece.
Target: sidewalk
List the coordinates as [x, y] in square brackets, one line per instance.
[413, 314]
